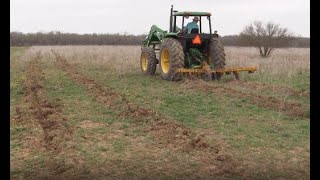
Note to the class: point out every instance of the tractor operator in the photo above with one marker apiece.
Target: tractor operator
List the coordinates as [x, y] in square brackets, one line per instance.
[192, 25]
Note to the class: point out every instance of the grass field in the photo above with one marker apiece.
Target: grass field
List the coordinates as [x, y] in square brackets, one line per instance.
[88, 112]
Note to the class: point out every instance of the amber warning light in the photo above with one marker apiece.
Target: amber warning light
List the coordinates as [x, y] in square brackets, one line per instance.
[196, 40]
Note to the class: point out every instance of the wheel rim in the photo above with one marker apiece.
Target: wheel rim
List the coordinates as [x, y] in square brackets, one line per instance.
[165, 60]
[144, 62]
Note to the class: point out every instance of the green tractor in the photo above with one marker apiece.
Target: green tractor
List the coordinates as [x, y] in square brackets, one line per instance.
[183, 51]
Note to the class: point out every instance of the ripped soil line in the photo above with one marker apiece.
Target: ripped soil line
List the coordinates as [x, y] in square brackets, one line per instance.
[167, 133]
[46, 113]
[273, 103]
[115, 101]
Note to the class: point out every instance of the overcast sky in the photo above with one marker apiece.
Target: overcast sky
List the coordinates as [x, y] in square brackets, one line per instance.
[137, 16]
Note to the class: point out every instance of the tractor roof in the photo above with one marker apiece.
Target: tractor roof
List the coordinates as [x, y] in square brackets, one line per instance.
[189, 13]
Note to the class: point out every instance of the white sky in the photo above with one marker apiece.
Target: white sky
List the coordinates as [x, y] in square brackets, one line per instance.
[137, 16]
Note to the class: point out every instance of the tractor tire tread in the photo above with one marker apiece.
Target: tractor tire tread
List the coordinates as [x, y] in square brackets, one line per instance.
[152, 61]
[176, 58]
[217, 54]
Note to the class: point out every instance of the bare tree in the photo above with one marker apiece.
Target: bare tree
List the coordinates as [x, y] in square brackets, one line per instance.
[266, 38]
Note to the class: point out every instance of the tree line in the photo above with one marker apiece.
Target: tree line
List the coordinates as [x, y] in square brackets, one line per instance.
[59, 38]
[236, 40]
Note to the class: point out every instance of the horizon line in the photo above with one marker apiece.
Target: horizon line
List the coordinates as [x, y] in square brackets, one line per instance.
[109, 33]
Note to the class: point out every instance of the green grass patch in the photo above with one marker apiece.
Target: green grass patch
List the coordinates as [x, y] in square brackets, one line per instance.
[17, 76]
[78, 104]
[298, 81]
[101, 140]
[17, 50]
[119, 145]
[244, 126]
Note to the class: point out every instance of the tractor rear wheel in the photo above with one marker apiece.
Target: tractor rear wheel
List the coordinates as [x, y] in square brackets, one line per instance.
[171, 58]
[148, 61]
[217, 56]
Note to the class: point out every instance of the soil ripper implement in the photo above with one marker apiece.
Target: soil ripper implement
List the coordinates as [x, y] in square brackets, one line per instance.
[183, 51]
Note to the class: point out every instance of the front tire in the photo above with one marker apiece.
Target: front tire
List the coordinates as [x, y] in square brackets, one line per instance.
[171, 58]
[148, 61]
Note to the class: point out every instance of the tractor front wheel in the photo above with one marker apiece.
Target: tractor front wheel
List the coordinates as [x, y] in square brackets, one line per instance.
[171, 58]
[148, 61]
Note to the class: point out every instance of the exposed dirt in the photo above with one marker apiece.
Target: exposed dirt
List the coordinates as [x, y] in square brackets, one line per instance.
[270, 102]
[168, 134]
[116, 101]
[175, 135]
[38, 108]
[103, 94]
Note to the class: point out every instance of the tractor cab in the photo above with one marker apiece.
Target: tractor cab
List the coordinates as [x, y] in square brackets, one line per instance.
[195, 40]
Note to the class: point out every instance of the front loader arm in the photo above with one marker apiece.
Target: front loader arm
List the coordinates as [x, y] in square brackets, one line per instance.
[155, 36]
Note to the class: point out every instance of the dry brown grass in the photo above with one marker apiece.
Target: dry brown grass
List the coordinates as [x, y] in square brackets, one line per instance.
[122, 59]
[282, 61]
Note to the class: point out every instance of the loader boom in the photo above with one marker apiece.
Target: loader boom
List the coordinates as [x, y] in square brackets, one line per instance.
[155, 36]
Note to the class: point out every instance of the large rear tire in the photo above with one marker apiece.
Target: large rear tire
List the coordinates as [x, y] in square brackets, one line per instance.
[171, 58]
[148, 61]
[217, 55]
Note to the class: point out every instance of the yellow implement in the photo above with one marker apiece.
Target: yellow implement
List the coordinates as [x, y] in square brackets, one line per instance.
[206, 70]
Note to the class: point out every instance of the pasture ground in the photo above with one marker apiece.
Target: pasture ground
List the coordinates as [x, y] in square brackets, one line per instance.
[88, 112]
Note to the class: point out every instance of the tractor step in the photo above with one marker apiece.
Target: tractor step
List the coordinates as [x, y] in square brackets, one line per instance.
[221, 71]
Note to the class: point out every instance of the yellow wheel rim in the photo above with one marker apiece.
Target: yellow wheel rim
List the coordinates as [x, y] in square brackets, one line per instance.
[144, 62]
[165, 60]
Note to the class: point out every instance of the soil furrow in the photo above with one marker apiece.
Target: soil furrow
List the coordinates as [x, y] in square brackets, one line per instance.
[48, 114]
[167, 133]
[115, 101]
[269, 102]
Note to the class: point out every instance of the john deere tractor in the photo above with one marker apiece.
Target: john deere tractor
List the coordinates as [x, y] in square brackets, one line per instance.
[179, 51]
